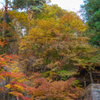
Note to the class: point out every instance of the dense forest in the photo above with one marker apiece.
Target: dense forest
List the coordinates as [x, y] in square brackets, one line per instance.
[43, 49]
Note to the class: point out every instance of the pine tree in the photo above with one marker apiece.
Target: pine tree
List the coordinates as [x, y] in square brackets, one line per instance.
[30, 5]
[91, 13]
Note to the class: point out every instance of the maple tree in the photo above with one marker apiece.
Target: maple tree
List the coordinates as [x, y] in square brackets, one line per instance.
[43, 88]
[10, 78]
[54, 41]
[57, 44]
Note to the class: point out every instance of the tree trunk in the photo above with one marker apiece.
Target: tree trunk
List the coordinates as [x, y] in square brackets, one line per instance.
[5, 18]
[28, 18]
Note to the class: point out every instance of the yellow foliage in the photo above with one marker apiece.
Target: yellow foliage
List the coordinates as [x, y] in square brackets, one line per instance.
[84, 66]
[22, 80]
[13, 94]
[8, 86]
[2, 77]
[19, 88]
[15, 70]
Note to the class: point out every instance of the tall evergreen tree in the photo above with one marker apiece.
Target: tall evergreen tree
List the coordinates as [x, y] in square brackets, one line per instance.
[30, 5]
[91, 13]
[5, 18]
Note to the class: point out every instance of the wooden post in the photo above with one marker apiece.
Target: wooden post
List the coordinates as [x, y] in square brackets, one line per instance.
[91, 77]
[84, 82]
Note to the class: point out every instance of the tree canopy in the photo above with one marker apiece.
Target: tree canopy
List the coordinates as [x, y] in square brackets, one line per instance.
[91, 13]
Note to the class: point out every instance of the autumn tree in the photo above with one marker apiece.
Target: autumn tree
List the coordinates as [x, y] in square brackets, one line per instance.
[53, 11]
[54, 42]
